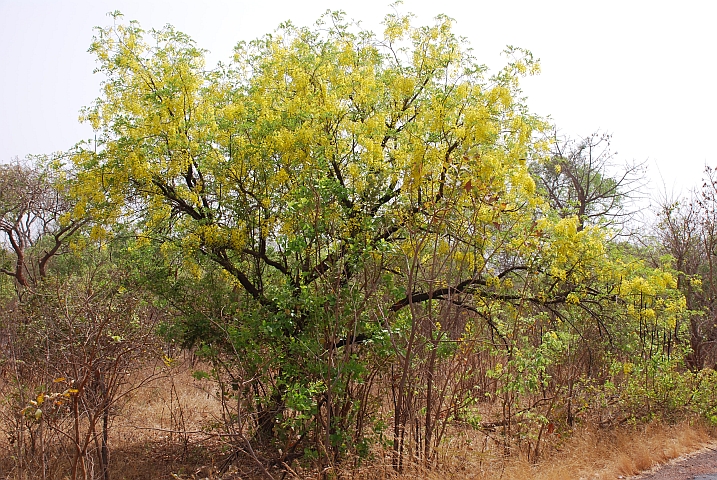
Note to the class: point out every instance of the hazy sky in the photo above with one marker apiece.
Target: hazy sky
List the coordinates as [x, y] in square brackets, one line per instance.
[644, 71]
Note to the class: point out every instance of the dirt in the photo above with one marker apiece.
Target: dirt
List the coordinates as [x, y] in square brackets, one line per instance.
[701, 465]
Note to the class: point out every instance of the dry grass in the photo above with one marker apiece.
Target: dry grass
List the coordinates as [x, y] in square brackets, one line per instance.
[173, 401]
[146, 443]
[588, 454]
[146, 437]
[144, 440]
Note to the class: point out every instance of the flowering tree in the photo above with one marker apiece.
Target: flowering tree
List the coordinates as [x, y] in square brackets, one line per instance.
[363, 199]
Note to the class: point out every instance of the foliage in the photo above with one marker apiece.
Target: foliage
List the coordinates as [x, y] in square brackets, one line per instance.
[366, 200]
[363, 236]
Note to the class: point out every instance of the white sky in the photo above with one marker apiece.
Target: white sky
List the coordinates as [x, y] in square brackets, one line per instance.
[642, 70]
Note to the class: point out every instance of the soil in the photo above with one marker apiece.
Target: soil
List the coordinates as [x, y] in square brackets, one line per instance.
[701, 465]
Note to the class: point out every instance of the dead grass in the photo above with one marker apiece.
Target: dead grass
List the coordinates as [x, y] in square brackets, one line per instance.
[145, 436]
[174, 401]
[148, 433]
[149, 440]
[588, 454]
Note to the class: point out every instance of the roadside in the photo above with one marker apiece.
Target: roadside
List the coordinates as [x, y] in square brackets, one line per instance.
[700, 465]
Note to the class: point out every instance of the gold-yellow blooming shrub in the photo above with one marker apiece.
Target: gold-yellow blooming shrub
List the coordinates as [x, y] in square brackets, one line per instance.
[353, 186]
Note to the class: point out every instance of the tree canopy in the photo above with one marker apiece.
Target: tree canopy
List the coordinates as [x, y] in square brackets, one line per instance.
[362, 132]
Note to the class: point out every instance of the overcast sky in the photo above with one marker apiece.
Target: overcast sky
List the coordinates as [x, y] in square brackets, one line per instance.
[644, 71]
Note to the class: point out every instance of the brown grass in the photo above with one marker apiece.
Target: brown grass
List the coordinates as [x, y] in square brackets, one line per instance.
[144, 440]
[146, 443]
[588, 454]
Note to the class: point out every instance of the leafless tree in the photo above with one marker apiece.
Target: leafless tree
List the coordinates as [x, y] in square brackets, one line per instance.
[686, 229]
[582, 178]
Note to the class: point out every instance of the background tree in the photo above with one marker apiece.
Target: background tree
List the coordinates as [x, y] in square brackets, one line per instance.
[33, 205]
[582, 179]
[687, 230]
[74, 326]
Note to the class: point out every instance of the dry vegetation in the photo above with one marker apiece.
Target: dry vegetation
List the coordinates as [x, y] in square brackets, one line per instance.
[608, 454]
[159, 429]
[587, 453]
[163, 428]
[167, 430]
